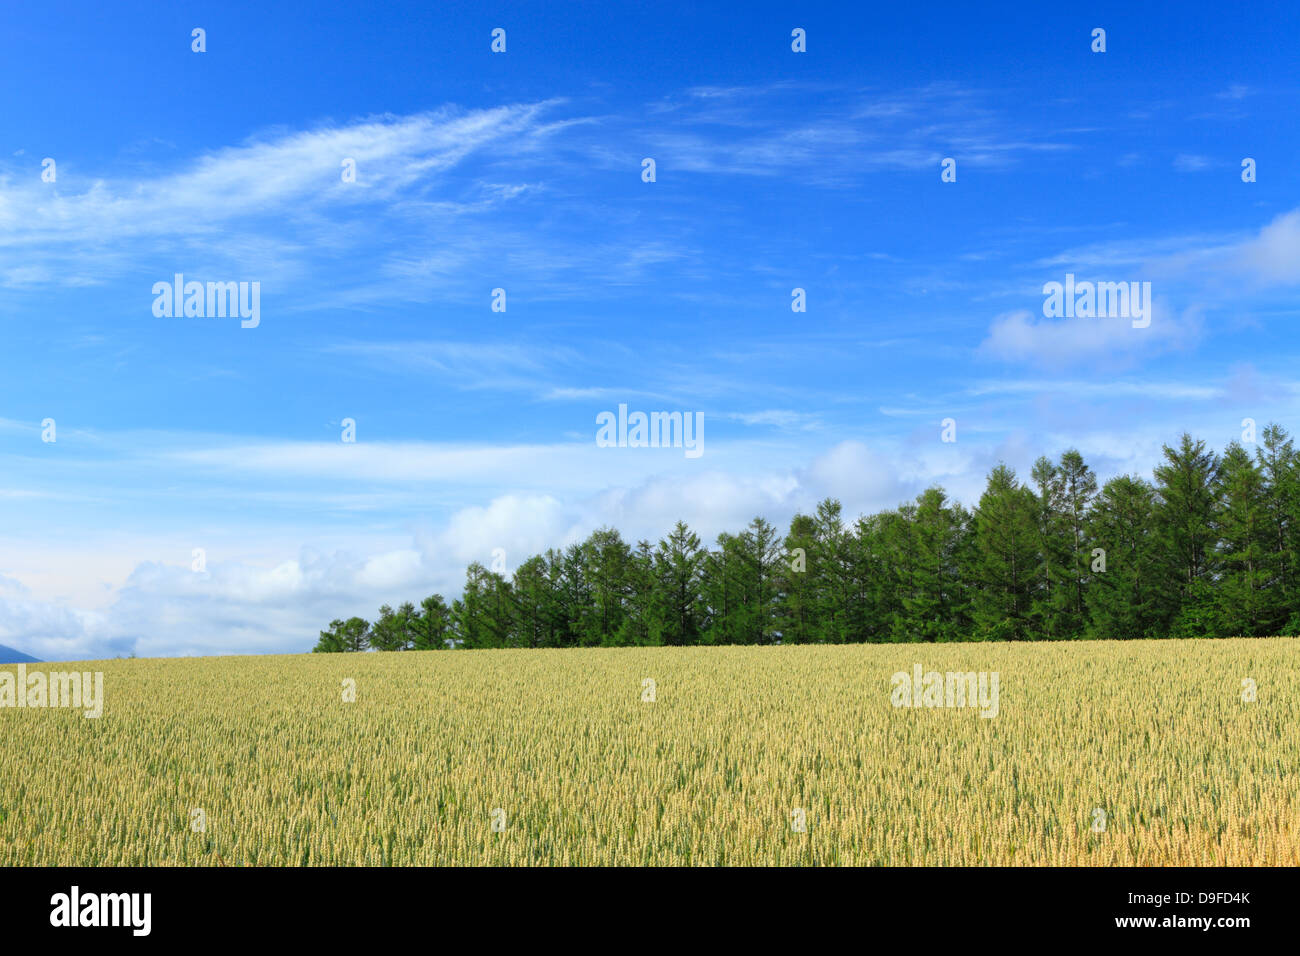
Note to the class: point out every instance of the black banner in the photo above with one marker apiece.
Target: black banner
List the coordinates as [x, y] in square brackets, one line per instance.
[1220, 907]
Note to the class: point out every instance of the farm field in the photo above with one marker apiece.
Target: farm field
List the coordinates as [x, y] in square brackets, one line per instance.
[552, 757]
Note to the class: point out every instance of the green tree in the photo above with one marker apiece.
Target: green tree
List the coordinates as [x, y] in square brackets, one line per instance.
[482, 616]
[577, 606]
[1079, 489]
[722, 591]
[638, 626]
[1064, 492]
[1279, 470]
[535, 605]
[1185, 484]
[606, 557]
[1006, 566]
[832, 589]
[899, 539]
[796, 615]
[933, 605]
[881, 572]
[1130, 597]
[760, 554]
[1247, 594]
[432, 625]
[678, 563]
[395, 630]
[352, 635]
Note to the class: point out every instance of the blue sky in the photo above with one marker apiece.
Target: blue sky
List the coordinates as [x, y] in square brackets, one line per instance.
[475, 429]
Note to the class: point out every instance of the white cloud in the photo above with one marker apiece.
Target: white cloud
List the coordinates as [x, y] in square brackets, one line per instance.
[1236, 91]
[777, 418]
[1022, 336]
[1104, 389]
[1269, 257]
[521, 525]
[1186, 163]
[1274, 255]
[244, 605]
[231, 608]
[284, 177]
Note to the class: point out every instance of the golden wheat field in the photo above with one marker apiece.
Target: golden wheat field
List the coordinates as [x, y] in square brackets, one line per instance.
[559, 750]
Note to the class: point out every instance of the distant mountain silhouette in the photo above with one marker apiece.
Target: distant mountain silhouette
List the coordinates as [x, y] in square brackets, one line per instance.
[10, 656]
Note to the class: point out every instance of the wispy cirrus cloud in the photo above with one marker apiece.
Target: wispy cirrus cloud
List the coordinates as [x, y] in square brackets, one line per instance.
[778, 418]
[831, 136]
[292, 180]
[1190, 163]
[1176, 391]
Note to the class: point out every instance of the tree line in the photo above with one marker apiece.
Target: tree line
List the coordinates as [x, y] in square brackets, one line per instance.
[1210, 547]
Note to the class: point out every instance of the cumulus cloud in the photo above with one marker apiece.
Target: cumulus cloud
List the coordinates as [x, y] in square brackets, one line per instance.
[243, 606]
[1274, 255]
[519, 525]
[1023, 336]
[229, 608]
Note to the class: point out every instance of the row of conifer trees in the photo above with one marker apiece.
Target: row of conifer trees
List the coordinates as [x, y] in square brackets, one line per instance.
[1209, 547]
